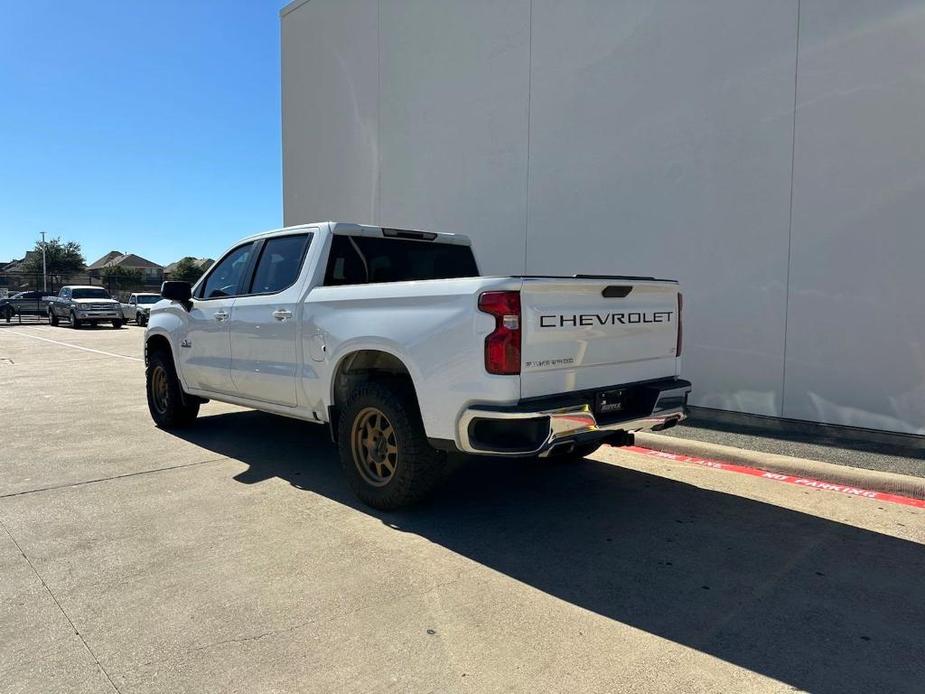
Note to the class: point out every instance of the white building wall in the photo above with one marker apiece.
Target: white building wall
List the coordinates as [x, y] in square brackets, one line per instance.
[330, 72]
[856, 328]
[453, 109]
[664, 138]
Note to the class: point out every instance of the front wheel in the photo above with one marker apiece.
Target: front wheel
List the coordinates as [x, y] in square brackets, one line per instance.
[74, 322]
[141, 319]
[384, 451]
[168, 408]
[52, 318]
[117, 324]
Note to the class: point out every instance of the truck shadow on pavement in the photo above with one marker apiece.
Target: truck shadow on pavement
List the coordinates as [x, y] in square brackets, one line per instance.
[817, 604]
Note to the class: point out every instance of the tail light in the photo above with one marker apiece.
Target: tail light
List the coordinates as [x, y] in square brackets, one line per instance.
[677, 351]
[502, 346]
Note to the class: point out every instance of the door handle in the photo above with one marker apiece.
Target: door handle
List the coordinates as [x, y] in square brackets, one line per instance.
[282, 314]
[220, 316]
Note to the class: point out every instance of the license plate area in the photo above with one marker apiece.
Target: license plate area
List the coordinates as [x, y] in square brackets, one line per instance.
[608, 403]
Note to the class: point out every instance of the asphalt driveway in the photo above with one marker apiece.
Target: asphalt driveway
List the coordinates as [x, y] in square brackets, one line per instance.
[233, 558]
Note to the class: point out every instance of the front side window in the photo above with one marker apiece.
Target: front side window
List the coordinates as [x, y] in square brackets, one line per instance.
[279, 264]
[225, 278]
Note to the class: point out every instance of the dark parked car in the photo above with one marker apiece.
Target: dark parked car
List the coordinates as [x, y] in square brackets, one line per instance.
[33, 303]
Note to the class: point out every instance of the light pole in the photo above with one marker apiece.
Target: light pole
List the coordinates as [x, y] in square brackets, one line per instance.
[44, 271]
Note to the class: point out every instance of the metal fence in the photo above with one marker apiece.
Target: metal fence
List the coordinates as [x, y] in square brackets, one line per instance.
[15, 282]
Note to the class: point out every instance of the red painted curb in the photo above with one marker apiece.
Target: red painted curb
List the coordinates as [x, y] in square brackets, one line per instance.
[806, 482]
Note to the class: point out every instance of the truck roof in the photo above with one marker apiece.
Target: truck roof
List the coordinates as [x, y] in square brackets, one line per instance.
[350, 229]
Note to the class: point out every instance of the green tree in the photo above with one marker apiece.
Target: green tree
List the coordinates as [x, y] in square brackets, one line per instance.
[117, 277]
[188, 270]
[62, 259]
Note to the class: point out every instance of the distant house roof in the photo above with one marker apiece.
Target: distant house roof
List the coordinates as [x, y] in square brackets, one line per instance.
[202, 263]
[132, 260]
[120, 259]
[16, 265]
[104, 261]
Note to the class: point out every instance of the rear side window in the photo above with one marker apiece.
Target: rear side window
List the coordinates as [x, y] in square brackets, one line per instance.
[280, 263]
[225, 278]
[364, 260]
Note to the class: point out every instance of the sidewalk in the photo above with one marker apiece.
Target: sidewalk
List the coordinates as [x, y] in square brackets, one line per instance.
[851, 447]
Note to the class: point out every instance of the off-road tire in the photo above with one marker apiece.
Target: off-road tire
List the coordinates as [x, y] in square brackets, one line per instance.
[168, 407]
[53, 318]
[418, 468]
[74, 322]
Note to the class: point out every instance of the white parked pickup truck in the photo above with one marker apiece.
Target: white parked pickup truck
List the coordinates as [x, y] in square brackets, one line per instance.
[139, 303]
[393, 339]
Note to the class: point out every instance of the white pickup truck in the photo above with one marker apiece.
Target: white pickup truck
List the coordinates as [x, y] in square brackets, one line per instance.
[139, 303]
[393, 339]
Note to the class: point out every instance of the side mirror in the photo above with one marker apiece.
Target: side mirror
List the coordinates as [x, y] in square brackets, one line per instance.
[178, 291]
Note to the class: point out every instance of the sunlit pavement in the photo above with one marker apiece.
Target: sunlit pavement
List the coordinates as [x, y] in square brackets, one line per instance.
[233, 558]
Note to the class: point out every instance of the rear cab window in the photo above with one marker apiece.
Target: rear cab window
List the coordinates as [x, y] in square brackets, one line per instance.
[370, 260]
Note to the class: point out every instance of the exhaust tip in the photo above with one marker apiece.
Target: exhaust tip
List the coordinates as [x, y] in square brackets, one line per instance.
[667, 425]
[562, 448]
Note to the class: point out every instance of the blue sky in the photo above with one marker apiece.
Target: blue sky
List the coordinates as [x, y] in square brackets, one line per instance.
[145, 127]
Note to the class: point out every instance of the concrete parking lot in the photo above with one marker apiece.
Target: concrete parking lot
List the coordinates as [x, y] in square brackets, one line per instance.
[233, 558]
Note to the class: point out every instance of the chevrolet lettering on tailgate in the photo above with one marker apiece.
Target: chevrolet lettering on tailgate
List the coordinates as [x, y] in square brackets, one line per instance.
[587, 320]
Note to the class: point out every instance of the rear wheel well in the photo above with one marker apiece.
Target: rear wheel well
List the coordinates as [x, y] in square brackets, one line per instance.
[364, 366]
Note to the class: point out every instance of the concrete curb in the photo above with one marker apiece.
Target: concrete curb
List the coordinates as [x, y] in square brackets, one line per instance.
[887, 482]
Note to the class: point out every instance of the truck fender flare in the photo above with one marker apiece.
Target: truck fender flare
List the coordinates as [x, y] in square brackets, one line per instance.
[349, 350]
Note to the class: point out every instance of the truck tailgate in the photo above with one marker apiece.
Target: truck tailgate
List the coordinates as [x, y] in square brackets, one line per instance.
[591, 333]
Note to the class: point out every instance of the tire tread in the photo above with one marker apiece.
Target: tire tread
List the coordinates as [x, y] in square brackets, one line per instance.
[181, 412]
[420, 465]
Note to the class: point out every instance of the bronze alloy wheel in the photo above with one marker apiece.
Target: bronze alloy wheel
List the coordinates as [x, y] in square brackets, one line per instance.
[374, 447]
[159, 388]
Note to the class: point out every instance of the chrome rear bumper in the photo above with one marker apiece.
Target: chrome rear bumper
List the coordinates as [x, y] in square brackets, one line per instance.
[575, 423]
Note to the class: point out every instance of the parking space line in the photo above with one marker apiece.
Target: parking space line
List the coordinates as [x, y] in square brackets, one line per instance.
[73, 346]
[97, 480]
[54, 598]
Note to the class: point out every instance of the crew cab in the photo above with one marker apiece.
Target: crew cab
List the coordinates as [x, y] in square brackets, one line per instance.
[84, 305]
[392, 339]
[138, 306]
